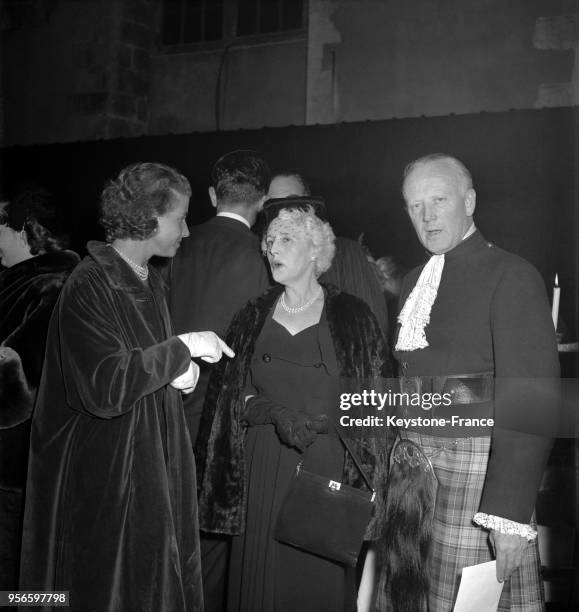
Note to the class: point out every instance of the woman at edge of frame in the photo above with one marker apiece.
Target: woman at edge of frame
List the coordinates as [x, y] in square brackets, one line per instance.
[37, 263]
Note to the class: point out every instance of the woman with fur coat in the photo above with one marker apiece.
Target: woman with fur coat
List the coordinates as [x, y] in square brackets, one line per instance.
[32, 251]
[297, 347]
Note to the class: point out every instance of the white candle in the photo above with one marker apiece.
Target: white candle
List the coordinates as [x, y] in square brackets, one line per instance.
[556, 298]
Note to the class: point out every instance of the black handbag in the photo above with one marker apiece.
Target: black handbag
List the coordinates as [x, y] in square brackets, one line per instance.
[326, 517]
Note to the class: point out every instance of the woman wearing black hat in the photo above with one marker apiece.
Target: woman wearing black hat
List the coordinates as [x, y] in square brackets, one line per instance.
[271, 408]
[32, 249]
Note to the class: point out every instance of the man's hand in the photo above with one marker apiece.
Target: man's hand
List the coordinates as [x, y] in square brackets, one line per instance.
[509, 550]
[207, 345]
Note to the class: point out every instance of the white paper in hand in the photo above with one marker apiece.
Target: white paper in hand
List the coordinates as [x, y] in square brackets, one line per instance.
[479, 589]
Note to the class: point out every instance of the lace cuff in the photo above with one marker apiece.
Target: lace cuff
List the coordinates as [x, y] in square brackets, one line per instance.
[503, 525]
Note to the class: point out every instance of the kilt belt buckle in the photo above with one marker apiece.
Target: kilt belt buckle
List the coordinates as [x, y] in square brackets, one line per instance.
[463, 388]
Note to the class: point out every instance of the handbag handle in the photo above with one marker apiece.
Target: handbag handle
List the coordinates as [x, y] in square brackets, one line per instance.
[354, 457]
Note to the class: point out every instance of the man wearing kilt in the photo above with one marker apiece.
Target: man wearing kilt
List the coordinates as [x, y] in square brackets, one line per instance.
[475, 328]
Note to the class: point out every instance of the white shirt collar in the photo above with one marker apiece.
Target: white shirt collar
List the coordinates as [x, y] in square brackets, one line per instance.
[470, 231]
[232, 215]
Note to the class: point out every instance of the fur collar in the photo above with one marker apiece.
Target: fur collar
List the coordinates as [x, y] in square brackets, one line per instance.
[40, 265]
[30, 287]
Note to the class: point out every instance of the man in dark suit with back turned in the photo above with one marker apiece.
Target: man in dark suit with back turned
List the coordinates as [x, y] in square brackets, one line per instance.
[216, 271]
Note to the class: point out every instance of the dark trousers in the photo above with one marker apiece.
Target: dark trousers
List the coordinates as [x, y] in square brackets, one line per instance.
[193, 404]
[215, 548]
[215, 551]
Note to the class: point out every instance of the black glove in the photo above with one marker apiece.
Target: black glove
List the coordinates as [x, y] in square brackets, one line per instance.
[294, 427]
[319, 424]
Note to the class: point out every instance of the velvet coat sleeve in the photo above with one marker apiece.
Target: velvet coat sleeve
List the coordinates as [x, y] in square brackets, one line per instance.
[98, 342]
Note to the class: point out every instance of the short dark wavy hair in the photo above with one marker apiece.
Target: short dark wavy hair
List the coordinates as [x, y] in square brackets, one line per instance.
[131, 203]
[36, 212]
[240, 177]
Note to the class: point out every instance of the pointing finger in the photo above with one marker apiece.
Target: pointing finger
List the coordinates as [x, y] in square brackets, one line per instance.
[226, 349]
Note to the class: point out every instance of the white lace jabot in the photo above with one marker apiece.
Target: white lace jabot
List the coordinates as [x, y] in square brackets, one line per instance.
[415, 314]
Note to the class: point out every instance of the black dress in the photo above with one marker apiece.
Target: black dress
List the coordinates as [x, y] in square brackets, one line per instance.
[298, 371]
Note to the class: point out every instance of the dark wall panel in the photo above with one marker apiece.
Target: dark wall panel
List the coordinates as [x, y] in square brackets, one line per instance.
[523, 163]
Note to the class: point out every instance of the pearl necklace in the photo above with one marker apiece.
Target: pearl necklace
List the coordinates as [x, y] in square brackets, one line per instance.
[301, 308]
[142, 272]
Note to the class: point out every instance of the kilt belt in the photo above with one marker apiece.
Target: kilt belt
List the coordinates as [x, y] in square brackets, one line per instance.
[463, 388]
[461, 401]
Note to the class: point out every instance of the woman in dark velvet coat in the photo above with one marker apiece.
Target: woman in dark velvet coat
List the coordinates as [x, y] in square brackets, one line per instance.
[268, 409]
[32, 251]
[111, 511]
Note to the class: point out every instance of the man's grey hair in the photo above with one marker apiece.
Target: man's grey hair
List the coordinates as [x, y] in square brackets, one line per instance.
[462, 171]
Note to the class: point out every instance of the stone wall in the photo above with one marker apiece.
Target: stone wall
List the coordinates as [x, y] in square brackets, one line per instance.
[82, 73]
[133, 43]
[90, 69]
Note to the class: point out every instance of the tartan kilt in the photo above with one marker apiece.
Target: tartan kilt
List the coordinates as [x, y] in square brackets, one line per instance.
[460, 467]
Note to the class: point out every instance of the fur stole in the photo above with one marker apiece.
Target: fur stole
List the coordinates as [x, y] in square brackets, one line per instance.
[360, 351]
[28, 293]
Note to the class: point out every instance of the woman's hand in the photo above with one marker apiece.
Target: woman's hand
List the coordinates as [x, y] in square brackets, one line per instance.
[187, 382]
[294, 427]
[207, 345]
